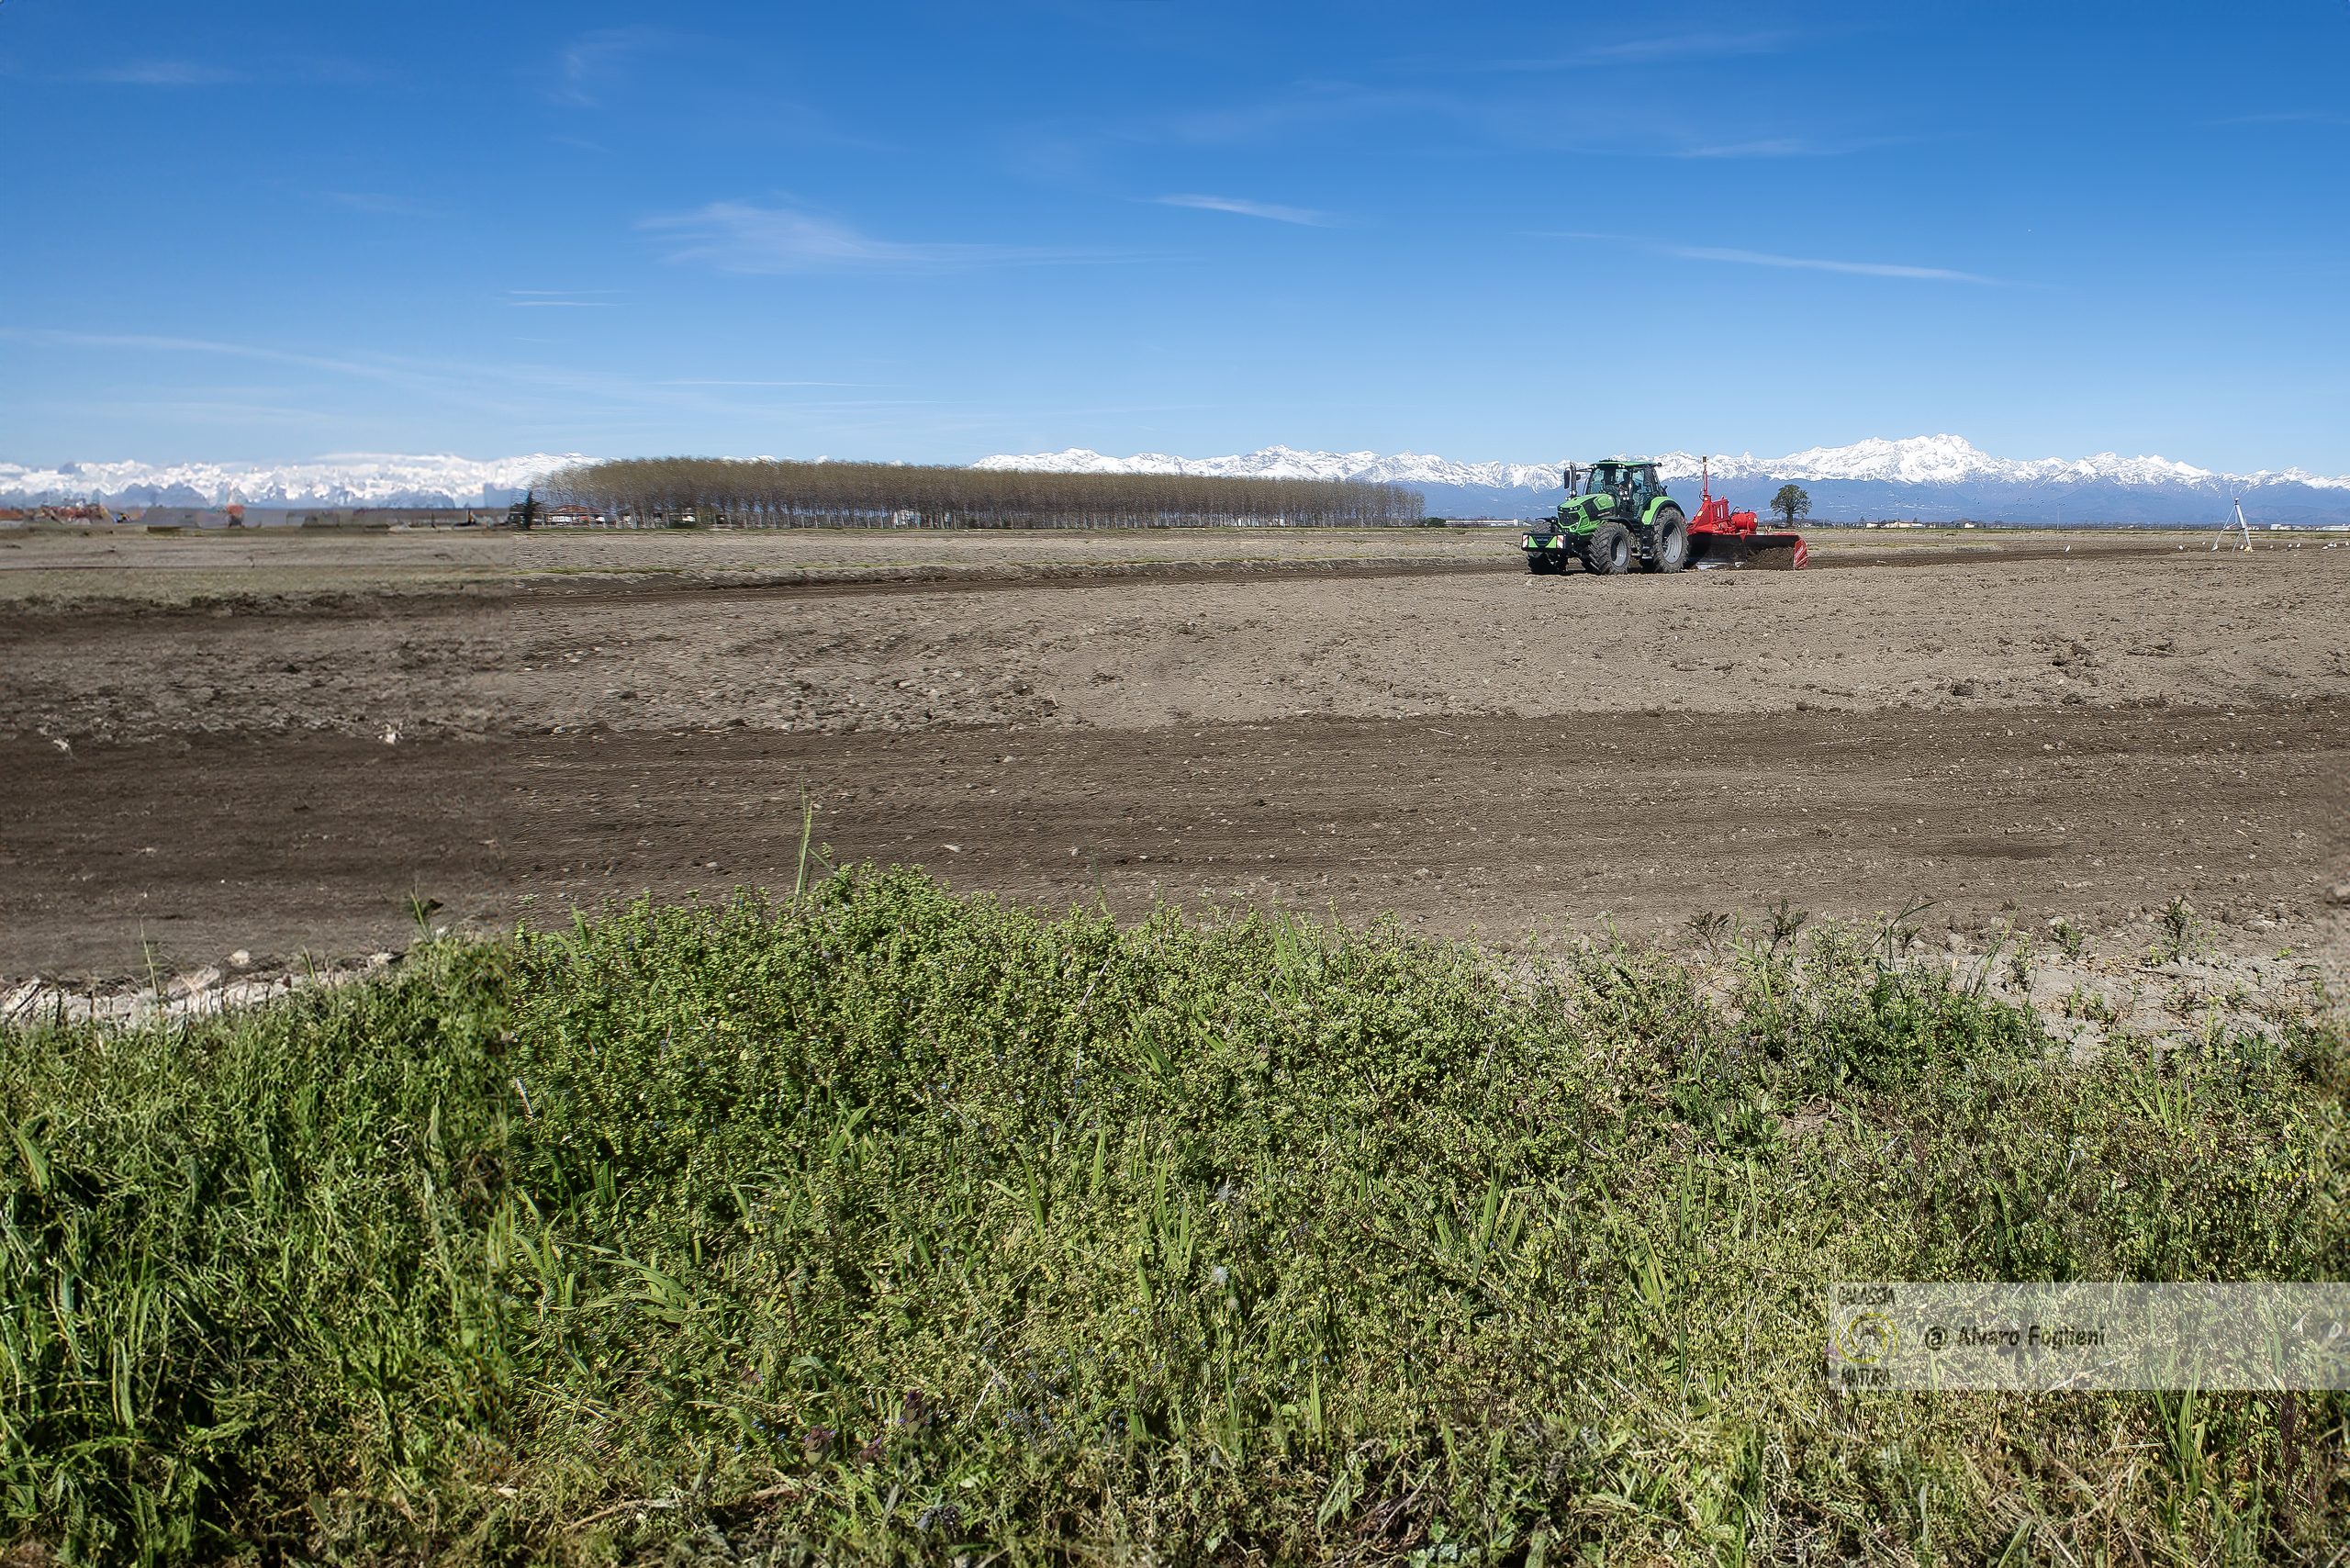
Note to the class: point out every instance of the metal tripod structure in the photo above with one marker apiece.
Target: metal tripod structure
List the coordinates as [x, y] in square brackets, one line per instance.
[2242, 526]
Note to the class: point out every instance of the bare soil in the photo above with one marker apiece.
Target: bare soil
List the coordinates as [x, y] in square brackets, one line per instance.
[271, 752]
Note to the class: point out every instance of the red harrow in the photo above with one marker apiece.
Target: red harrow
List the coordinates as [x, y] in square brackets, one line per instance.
[1720, 537]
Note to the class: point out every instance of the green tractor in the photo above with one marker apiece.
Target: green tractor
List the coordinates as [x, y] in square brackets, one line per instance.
[1621, 516]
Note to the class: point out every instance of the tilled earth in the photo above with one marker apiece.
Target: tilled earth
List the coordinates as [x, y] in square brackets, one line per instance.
[2017, 733]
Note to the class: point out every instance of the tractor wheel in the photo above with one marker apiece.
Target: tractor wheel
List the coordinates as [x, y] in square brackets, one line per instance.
[1670, 542]
[1607, 551]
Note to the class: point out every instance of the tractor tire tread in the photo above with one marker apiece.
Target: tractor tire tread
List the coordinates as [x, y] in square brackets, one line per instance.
[1607, 550]
[1668, 541]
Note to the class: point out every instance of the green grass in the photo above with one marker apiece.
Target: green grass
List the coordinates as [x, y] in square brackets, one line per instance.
[893, 1226]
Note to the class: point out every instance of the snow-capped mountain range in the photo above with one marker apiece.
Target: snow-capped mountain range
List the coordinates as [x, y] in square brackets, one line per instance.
[1416, 469]
[1935, 477]
[347, 479]
[1920, 460]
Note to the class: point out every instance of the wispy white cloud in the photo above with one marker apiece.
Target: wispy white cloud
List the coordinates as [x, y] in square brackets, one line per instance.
[738, 237]
[699, 381]
[213, 411]
[2285, 116]
[1306, 216]
[1302, 106]
[591, 65]
[1775, 147]
[472, 386]
[1071, 151]
[378, 204]
[1682, 46]
[562, 299]
[167, 73]
[161, 344]
[1817, 265]
[1768, 259]
[1659, 47]
[513, 390]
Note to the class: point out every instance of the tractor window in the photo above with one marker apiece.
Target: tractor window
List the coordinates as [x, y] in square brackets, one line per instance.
[1603, 479]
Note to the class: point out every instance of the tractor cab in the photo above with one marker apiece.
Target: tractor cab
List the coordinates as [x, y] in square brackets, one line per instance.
[1628, 485]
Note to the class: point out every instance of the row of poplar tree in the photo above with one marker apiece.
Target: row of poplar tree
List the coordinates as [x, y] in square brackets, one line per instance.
[770, 494]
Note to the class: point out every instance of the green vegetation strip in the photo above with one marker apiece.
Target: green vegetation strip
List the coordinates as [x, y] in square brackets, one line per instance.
[893, 1225]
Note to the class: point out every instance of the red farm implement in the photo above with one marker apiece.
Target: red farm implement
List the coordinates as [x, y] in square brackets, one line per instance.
[1720, 537]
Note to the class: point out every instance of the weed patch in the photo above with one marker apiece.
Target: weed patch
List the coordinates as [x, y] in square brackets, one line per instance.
[891, 1225]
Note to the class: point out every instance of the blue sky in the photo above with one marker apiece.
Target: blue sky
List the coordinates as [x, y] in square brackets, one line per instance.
[935, 232]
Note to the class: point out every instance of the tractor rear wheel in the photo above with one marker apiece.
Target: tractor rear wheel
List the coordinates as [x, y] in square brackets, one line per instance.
[1669, 540]
[1609, 550]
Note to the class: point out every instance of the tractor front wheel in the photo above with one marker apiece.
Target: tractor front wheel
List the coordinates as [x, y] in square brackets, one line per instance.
[1609, 550]
[1669, 541]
